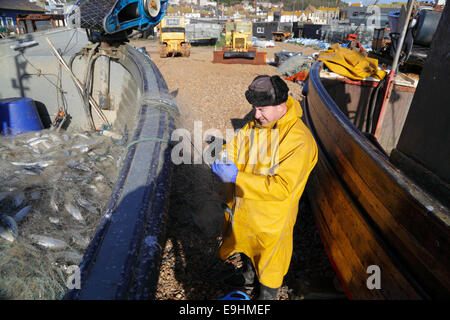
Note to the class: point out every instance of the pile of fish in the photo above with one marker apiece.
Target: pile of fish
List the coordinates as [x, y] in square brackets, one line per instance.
[53, 189]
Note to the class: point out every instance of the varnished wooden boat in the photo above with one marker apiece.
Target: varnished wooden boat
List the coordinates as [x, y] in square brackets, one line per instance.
[378, 208]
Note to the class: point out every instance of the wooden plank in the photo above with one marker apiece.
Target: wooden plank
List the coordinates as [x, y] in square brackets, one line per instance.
[394, 119]
[356, 240]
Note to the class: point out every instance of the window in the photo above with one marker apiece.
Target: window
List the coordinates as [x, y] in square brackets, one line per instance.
[355, 14]
[9, 22]
[259, 30]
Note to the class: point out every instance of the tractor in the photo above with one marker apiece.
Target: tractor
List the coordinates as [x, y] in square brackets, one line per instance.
[172, 37]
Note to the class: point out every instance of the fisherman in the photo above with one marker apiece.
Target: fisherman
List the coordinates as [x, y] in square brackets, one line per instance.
[263, 194]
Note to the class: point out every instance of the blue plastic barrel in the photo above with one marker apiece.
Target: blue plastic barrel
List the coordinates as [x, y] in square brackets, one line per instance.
[18, 115]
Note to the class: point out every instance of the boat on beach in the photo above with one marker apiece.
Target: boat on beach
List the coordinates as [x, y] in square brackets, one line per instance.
[127, 99]
[381, 202]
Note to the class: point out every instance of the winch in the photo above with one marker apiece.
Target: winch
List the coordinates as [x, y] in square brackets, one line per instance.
[115, 19]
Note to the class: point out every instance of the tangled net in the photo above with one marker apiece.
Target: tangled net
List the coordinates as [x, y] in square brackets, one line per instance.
[55, 186]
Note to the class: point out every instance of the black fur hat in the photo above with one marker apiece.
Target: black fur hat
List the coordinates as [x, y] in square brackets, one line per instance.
[267, 91]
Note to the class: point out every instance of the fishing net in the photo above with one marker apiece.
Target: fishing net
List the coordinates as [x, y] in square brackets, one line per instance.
[55, 185]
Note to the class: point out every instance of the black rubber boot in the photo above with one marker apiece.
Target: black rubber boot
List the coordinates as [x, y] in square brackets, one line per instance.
[266, 293]
[244, 276]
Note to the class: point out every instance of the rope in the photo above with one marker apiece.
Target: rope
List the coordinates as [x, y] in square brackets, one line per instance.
[39, 72]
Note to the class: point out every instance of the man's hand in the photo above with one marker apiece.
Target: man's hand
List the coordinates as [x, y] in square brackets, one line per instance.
[226, 172]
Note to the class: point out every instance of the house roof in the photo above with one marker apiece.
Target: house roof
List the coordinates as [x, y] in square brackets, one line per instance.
[21, 5]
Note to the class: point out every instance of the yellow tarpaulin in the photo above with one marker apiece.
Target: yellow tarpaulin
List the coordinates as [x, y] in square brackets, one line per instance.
[350, 64]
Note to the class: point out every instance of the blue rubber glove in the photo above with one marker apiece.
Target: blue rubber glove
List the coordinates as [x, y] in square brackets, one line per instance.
[226, 172]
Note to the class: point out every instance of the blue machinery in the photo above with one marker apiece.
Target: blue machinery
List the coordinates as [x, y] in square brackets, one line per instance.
[115, 19]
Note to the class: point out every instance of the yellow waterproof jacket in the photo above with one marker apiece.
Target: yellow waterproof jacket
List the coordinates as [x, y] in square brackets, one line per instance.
[350, 64]
[266, 193]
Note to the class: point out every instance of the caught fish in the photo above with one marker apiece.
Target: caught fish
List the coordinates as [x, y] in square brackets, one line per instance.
[78, 165]
[74, 211]
[79, 240]
[8, 228]
[55, 138]
[71, 257]
[48, 242]
[42, 164]
[36, 141]
[82, 135]
[86, 204]
[18, 199]
[26, 171]
[35, 150]
[35, 195]
[53, 205]
[99, 178]
[83, 148]
[53, 220]
[6, 234]
[19, 216]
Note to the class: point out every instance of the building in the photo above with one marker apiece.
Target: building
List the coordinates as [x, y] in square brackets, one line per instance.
[54, 6]
[10, 10]
[324, 15]
[207, 3]
[264, 30]
[375, 16]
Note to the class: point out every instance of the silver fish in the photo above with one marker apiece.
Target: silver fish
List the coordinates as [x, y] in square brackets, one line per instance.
[18, 199]
[35, 150]
[6, 234]
[35, 195]
[19, 216]
[37, 141]
[26, 171]
[86, 204]
[8, 228]
[78, 165]
[53, 220]
[48, 242]
[81, 135]
[53, 205]
[55, 138]
[79, 240]
[82, 147]
[42, 164]
[72, 257]
[74, 211]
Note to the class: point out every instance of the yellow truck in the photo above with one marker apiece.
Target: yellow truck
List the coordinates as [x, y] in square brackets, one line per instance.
[172, 37]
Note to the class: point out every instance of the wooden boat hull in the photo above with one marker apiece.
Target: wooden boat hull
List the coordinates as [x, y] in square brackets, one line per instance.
[370, 214]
